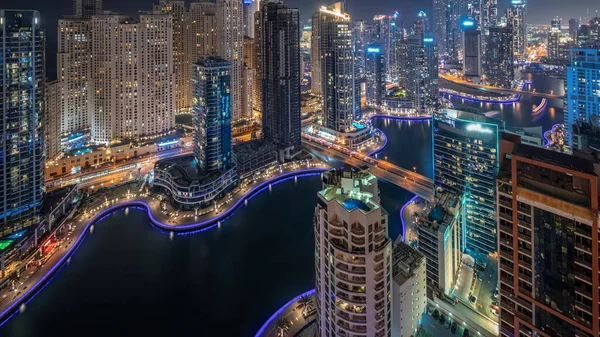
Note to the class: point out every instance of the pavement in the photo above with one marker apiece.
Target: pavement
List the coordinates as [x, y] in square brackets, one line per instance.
[103, 201]
[431, 327]
[485, 288]
[415, 205]
[293, 313]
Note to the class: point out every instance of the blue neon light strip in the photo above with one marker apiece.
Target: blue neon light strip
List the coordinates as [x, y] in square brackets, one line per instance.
[28, 295]
[273, 317]
[402, 217]
[170, 142]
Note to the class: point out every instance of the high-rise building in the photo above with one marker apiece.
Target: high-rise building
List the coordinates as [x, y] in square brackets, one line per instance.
[316, 86]
[421, 26]
[573, 28]
[257, 59]
[52, 117]
[353, 256]
[133, 82]
[441, 241]
[75, 72]
[249, 10]
[408, 289]
[181, 66]
[22, 77]
[374, 74]
[554, 39]
[248, 77]
[440, 24]
[472, 49]
[419, 70]
[516, 15]
[582, 88]
[389, 34]
[465, 154]
[489, 15]
[201, 32]
[339, 71]
[230, 40]
[548, 243]
[85, 9]
[212, 113]
[499, 65]
[281, 76]
[361, 39]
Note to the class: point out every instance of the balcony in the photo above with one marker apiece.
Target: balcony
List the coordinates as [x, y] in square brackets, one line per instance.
[353, 270]
[525, 237]
[357, 300]
[358, 241]
[379, 229]
[522, 317]
[357, 229]
[351, 318]
[505, 216]
[583, 247]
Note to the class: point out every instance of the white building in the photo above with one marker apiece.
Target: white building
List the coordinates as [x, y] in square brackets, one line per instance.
[74, 61]
[230, 40]
[352, 256]
[133, 77]
[409, 290]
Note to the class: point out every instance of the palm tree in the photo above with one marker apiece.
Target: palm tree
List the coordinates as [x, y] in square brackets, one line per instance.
[304, 302]
[283, 326]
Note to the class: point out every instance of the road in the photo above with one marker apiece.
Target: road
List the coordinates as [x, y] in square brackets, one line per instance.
[498, 90]
[406, 179]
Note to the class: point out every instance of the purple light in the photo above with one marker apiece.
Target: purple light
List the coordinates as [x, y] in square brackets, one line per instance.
[516, 98]
[261, 331]
[27, 296]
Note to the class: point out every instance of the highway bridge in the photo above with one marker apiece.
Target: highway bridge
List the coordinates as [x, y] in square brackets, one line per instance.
[407, 179]
[495, 89]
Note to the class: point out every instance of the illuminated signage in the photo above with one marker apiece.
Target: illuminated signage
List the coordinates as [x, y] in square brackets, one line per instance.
[373, 50]
[478, 128]
[468, 23]
[171, 142]
[428, 39]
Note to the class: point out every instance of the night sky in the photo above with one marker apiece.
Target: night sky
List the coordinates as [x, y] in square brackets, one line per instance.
[540, 11]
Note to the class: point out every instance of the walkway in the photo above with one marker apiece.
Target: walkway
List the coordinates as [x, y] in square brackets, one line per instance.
[292, 318]
[496, 89]
[101, 204]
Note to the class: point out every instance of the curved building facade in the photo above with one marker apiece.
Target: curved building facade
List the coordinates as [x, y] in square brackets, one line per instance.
[353, 257]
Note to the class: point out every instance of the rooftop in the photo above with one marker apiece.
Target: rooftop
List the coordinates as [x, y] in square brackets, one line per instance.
[554, 158]
[185, 171]
[405, 260]
[352, 188]
[442, 214]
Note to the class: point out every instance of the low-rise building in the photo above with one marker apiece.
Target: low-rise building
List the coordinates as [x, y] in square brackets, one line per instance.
[253, 156]
[409, 292]
[440, 231]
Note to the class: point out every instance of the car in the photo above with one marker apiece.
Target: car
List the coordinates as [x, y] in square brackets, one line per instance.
[494, 311]
[495, 295]
[480, 276]
[466, 333]
[472, 299]
[430, 311]
[454, 327]
[448, 323]
[436, 313]
[495, 302]
[495, 307]
[442, 318]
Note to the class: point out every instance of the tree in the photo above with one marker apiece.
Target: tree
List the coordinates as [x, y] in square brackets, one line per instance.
[304, 302]
[283, 326]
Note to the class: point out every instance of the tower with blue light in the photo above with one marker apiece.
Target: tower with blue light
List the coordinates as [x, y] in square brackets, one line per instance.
[471, 49]
[22, 157]
[375, 74]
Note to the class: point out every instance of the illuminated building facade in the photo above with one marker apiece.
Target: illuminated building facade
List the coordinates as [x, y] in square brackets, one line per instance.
[582, 94]
[375, 74]
[548, 243]
[499, 65]
[465, 147]
[339, 71]
[353, 256]
[230, 45]
[22, 77]
[516, 15]
[133, 82]
[554, 40]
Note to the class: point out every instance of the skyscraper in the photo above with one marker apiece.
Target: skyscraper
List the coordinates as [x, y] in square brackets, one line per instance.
[212, 113]
[257, 59]
[22, 76]
[201, 32]
[440, 25]
[181, 66]
[133, 82]
[75, 72]
[281, 76]
[249, 10]
[548, 243]
[573, 28]
[374, 74]
[465, 147]
[419, 70]
[353, 256]
[230, 39]
[499, 65]
[52, 111]
[516, 15]
[389, 34]
[472, 49]
[339, 72]
[554, 39]
[582, 89]
[85, 9]
[316, 86]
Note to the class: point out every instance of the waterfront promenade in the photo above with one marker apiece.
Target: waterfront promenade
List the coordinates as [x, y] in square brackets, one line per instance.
[100, 204]
[293, 318]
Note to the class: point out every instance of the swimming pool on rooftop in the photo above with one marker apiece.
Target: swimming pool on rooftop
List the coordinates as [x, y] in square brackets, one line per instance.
[352, 204]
